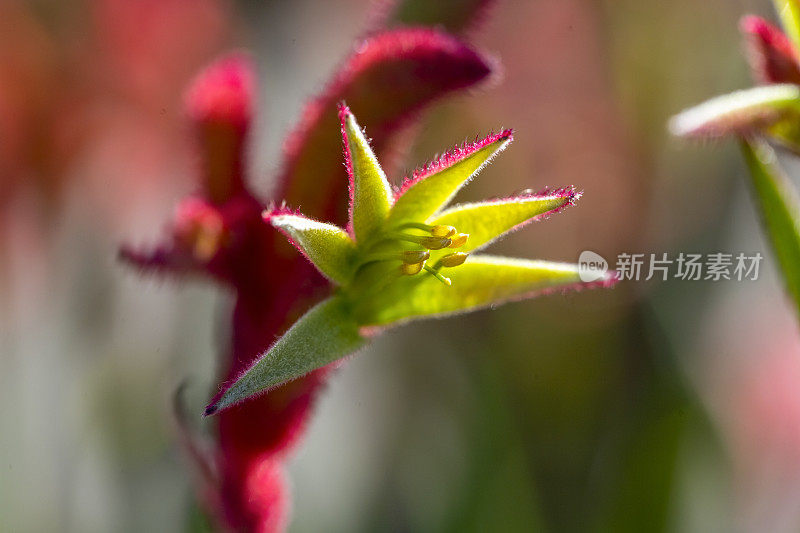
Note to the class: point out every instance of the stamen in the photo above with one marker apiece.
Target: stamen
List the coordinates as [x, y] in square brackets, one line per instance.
[406, 256]
[437, 231]
[453, 260]
[438, 276]
[409, 269]
[431, 243]
[411, 257]
[443, 231]
[458, 240]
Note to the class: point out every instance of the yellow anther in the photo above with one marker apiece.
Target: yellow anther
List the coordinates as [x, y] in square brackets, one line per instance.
[443, 231]
[453, 260]
[429, 242]
[415, 256]
[409, 269]
[436, 243]
[458, 240]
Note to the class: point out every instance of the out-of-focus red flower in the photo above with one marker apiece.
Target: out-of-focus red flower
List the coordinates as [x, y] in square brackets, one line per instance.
[753, 388]
[91, 81]
[762, 416]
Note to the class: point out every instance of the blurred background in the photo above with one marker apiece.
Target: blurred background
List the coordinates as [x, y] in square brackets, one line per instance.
[658, 406]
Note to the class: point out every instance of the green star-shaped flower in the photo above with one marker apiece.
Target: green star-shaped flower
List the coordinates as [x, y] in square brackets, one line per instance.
[403, 257]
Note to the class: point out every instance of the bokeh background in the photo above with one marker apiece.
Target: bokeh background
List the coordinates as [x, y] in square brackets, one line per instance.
[658, 406]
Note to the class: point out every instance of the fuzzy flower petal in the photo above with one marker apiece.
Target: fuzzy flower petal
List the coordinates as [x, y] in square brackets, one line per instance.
[370, 192]
[480, 282]
[324, 334]
[432, 186]
[328, 247]
[741, 112]
[486, 222]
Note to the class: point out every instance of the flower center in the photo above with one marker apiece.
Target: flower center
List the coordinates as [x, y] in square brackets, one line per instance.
[413, 261]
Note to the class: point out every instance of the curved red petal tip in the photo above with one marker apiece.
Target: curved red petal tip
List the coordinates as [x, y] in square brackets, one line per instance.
[270, 212]
[753, 24]
[210, 409]
[223, 92]
[344, 111]
[571, 195]
[772, 57]
[453, 156]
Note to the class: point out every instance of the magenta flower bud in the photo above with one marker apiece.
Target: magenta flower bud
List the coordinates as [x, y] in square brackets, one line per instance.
[771, 55]
[220, 103]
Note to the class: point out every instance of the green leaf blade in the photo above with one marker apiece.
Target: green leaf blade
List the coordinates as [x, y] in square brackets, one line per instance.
[370, 192]
[430, 188]
[323, 335]
[328, 247]
[480, 282]
[778, 205]
[486, 222]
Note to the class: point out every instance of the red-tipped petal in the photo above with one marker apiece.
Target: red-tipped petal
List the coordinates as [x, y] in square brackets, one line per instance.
[771, 55]
[485, 222]
[451, 157]
[220, 103]
[389, 78]
[344, 112]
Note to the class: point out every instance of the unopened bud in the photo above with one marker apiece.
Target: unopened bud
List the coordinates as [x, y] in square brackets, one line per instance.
[458, 240]
[443, 231]
[453, 260]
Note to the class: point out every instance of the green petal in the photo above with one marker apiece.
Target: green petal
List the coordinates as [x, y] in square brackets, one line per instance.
[370, 192]
[487, 221]
[323, 335]
[430, 188]
[328, 247]
[741, 112]
[481, 281]
[789, 12]
[779, 207]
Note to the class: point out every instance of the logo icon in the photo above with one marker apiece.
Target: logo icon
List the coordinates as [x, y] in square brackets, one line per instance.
[591, 266]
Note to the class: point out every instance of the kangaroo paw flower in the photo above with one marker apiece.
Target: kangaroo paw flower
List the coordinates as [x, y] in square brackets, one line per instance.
[387, 264]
